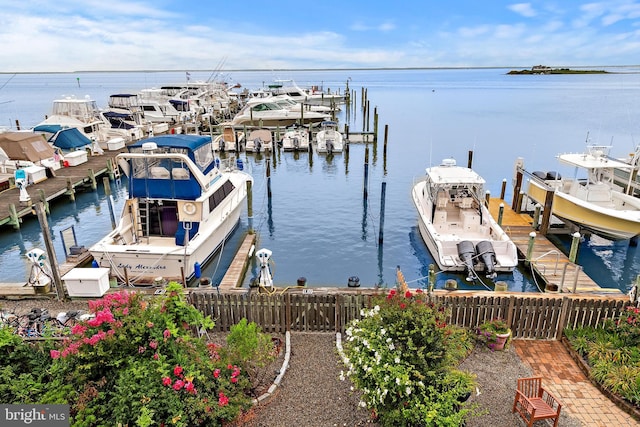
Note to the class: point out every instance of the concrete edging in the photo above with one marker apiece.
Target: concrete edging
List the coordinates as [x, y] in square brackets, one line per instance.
[283, 369]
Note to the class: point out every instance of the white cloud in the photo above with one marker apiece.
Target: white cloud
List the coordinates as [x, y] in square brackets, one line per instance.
[524, 9]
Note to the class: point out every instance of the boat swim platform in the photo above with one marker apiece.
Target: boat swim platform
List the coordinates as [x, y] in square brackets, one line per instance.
[547, 261]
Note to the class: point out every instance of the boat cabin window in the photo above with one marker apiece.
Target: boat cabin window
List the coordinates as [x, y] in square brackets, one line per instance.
[219, 195]
[204, 156]
[160, 169]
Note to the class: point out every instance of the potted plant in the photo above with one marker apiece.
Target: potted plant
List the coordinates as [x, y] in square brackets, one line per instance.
[494, 333]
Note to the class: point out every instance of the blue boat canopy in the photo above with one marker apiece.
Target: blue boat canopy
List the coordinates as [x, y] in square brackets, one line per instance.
[168, 178]
[48, 128]
[70, 139]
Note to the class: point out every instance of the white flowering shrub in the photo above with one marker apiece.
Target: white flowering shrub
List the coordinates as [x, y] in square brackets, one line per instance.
[402, 356]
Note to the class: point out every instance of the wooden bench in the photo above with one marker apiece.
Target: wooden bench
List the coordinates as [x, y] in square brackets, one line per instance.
[534, 403]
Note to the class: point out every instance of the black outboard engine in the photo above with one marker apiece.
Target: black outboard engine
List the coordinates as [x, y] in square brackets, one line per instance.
[330, 146]
[257, 144]
[467, 253]
[487, 254]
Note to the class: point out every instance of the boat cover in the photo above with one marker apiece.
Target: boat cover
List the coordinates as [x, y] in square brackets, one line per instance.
[52, 129]
[27, 146]
[70, 139]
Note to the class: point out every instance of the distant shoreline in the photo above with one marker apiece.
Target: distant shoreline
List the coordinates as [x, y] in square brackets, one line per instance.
[558, 71]
[576, 70]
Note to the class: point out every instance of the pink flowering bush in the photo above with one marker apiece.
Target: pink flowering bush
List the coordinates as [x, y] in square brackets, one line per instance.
[137, 363]
[402, 356]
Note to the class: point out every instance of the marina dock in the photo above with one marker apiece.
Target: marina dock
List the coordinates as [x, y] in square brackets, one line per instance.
[66, 182]
[546, 260]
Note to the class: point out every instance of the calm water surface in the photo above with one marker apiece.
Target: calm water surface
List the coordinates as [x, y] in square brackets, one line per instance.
[317, 222]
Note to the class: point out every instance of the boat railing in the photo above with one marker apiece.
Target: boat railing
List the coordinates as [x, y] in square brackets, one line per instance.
[578, 268]
[543, 267]
[563, 277]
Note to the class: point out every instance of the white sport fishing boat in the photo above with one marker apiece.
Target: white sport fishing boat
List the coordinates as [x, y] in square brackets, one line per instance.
[456, 225]
[329, 139]
[592, 200]
[295, 138]
[183, 204]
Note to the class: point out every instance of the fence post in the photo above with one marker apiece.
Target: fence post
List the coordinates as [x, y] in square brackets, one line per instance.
[562, 321]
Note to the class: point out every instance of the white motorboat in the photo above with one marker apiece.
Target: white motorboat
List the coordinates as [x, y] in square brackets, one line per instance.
[329, 139]
[183, 204]
[84, 115]
[259, 140]
[593, 202]
[313, 96]
[263, 112]
[229, 140]
[456, 225]
[295, 138]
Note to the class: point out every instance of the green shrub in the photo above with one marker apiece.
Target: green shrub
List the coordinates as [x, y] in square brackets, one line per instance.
[613, 353]
[397, 356]
[137, 363]
[252, 350]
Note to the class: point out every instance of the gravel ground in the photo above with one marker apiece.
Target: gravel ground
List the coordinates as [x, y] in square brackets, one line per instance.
[311, 393]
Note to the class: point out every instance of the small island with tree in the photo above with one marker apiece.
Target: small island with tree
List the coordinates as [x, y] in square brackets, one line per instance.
[543, 69]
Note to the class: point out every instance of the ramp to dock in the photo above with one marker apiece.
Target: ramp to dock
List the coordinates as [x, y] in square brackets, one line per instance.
[547, 261]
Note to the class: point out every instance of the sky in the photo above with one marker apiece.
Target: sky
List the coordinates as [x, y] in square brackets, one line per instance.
[132, 35]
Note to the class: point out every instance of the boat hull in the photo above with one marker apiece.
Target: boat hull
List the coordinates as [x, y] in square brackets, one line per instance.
[161, 257]
[608, 223]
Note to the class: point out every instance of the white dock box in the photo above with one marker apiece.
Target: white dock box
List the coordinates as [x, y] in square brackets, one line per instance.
[35, 174]
[87, 282]
[76, 158]
[115, 144]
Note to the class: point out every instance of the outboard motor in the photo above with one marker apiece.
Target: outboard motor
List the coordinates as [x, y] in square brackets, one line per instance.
[330, 146]
[466, 253]
[487, 254]
[296, 143]
[257, 144]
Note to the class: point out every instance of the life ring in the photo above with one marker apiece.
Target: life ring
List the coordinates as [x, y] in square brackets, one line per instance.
[189, 208]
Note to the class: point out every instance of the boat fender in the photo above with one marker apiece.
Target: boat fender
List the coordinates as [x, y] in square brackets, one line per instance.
[197, 270]
[95, 264]
[239, 164]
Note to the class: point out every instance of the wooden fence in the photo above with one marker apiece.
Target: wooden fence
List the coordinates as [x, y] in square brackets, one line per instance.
[530, 316]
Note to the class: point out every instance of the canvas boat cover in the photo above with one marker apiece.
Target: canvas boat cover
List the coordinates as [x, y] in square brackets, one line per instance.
[27, 146]
[70, 139]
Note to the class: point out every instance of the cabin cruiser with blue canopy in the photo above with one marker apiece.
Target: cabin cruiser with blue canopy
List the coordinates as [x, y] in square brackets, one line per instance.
[183, 204]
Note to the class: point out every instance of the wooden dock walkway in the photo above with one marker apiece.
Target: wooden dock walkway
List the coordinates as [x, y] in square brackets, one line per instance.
[236, 271]
[65, 183]
[551, 264]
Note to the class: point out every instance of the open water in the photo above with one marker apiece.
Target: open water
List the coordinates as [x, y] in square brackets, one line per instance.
[317, 221]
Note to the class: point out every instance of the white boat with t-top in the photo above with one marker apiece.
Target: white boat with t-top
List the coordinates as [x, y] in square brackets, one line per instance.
[329, 139]
[183, 203]
[590, 199]
[456, 225]
[259, 140]
[295, 138]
